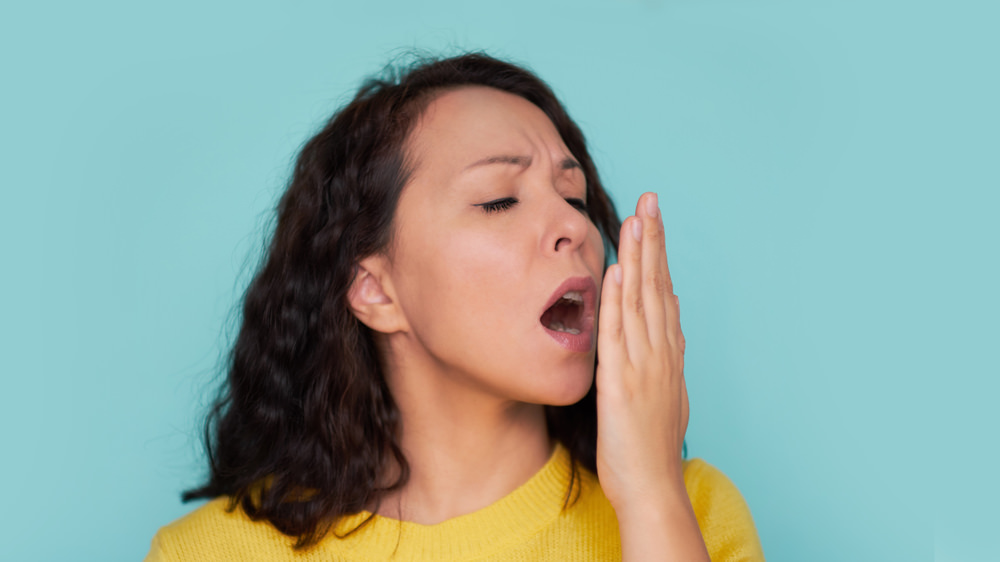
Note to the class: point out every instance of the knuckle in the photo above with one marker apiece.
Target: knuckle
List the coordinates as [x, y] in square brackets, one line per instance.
[637, 305]
[654, 233]
[635, 256]
[656, 280]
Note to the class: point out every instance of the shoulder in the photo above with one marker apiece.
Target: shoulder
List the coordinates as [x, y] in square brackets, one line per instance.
[709, 487]
[212, 532]
[723, 514]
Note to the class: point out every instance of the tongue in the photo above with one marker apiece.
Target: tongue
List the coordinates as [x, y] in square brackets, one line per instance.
[562, 313]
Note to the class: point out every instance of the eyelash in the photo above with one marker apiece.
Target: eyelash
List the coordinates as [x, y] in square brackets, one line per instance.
[498, 205]
[508, 202]
[580, 205]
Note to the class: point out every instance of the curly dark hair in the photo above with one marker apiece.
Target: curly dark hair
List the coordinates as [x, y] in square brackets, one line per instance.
[305, 406]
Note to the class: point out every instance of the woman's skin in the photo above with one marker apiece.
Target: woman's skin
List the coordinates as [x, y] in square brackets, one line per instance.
[456, 303]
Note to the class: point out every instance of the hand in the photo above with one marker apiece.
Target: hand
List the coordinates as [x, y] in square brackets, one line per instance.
[642, 402]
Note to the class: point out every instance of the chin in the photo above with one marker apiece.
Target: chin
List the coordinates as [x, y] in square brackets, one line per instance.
[570, 389]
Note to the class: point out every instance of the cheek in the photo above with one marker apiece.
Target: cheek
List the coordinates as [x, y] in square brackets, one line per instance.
[459, 279]
[597, 243]
[483, 268]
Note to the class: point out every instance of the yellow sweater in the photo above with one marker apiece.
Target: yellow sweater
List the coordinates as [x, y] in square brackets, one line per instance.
[526, 525]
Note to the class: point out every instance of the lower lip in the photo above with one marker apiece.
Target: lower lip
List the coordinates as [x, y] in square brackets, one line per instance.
[580, 343]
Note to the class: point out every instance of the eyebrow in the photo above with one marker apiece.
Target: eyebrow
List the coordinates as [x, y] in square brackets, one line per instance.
[522, 161]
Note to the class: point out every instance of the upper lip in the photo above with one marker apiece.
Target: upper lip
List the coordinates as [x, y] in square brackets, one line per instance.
[587, 288]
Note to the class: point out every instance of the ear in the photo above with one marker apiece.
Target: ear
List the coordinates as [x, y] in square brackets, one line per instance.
[372, 299]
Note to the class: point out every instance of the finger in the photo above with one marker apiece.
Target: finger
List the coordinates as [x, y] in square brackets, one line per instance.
[681, 341]
[672, 304]
[633, 307]
[656, 288]
[685, 407]
[609, 321]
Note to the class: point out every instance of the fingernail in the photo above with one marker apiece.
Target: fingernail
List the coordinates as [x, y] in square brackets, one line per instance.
[652, 206]
[618, 274]
[637, 228]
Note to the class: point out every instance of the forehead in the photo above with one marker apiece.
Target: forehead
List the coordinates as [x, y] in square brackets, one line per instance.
[472, 121]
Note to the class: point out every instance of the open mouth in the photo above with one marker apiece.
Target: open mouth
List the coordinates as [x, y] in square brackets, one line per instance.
[566, 315]
[569, 315]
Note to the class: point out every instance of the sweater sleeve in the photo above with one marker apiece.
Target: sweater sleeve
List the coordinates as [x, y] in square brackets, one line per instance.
[723, 515]
[156, 553]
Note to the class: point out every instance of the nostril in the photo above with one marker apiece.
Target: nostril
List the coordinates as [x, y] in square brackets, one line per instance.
[561, 241]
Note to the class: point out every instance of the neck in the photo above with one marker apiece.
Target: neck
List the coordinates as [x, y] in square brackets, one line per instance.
[466, 448]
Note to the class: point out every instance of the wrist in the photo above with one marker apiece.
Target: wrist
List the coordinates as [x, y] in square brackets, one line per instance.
[661, 528]
[659, 506]
[665, 494]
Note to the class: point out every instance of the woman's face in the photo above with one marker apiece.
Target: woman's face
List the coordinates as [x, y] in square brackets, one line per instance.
[490, 231]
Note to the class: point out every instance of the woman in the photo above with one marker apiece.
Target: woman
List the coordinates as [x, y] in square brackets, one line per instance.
[416, 376]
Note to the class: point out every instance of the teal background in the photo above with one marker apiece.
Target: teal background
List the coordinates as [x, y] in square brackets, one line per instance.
[828, 173]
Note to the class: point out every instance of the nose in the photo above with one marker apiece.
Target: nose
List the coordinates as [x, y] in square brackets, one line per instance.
[567, 226]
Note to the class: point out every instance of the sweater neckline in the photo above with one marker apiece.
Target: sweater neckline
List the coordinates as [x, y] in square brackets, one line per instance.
[508, 521]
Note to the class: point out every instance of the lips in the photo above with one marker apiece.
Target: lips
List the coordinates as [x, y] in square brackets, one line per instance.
[570, 321]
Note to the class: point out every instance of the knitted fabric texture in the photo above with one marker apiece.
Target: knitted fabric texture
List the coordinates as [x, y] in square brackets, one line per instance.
[529, 524]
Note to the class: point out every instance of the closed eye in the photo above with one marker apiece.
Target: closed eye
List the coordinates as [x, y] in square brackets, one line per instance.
[579, 204]
[498, 205]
